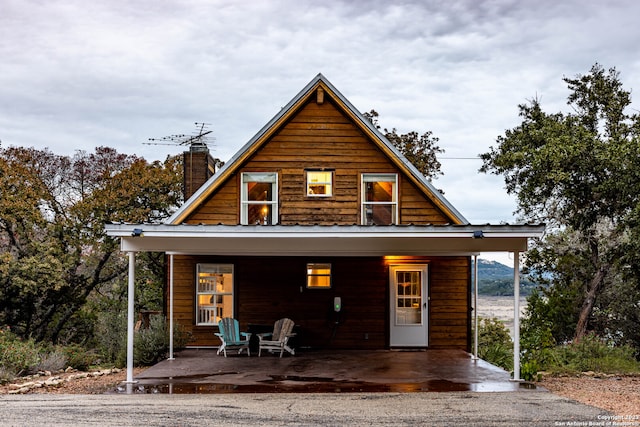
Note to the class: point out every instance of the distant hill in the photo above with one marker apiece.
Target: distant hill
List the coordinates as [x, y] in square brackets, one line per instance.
[496, 279]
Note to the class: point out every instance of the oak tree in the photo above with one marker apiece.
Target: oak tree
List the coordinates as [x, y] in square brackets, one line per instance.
[577, 172]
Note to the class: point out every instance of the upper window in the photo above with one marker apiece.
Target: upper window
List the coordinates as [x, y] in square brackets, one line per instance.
[259, 204]
[319, 183]
[379, 199]
[214, 293]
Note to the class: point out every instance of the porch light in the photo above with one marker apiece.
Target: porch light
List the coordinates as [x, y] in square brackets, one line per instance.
[478, 234]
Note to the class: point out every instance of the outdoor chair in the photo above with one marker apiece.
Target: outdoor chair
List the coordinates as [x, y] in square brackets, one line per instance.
[231, 336]
[282, 331]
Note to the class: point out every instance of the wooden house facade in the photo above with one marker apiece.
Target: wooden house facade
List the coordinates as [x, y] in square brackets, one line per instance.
[319, 218]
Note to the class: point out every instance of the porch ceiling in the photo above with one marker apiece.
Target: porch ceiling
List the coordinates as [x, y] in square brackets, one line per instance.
[336, 240]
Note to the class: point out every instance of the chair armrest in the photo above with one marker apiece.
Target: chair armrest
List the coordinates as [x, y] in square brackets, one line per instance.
[246, 334]
[265, 335]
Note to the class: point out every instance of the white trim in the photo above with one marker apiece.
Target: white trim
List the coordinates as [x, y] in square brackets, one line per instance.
[130, 315]
[516, 316]
[363, 194]
[323, 240]
[265, 177]
[475, 306]
[171, 307]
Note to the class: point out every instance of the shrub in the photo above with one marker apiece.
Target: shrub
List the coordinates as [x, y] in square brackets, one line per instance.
[78, 357]
[52, 361]
[17, 356]
[152, 344]
[111, 337]
[494, 343]
[592, 353]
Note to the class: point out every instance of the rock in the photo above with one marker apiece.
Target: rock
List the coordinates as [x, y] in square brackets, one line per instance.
[53, 382]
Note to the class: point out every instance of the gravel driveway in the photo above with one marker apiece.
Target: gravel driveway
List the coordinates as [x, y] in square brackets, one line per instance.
[441, 409]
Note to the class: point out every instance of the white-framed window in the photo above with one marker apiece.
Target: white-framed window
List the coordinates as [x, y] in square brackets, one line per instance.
[318, 275]
[259, 198]
[214, 293]
[379, 198]
[319, 183]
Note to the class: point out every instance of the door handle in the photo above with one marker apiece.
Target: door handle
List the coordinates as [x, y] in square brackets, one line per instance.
[425, 305]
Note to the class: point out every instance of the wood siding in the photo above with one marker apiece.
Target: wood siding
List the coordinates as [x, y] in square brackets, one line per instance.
[322, 136]
[318, 136]
[269, 288]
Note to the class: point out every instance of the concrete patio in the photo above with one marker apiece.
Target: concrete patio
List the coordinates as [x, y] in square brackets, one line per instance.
[202, 371]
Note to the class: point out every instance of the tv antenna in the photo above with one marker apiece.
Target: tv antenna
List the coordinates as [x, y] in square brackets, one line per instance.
[196, 140]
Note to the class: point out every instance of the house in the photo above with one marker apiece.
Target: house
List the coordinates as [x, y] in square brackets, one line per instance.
[320, 219]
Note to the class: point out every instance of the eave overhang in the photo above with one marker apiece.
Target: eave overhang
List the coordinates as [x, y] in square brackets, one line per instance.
[319, 240]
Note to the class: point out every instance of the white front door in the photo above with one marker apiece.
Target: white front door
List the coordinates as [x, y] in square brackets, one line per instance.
[408, 296]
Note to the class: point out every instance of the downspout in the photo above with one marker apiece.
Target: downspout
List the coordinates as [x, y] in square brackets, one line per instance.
[130, 316]
[475, 306]
[171, 307]
[516, 316]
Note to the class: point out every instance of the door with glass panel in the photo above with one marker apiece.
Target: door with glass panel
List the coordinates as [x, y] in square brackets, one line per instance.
[409, 304]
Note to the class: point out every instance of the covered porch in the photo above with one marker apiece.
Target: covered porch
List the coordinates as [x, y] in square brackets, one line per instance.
[447, 240]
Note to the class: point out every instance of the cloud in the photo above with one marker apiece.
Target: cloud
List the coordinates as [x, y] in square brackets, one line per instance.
[80, 74]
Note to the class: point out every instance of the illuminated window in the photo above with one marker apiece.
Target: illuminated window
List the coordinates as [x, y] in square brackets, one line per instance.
[319, 183]
[318, 276]
[379, 199]
[214, 293]
[259, 204]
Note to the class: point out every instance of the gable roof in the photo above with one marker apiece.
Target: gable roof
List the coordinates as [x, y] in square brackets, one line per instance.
[279, 119]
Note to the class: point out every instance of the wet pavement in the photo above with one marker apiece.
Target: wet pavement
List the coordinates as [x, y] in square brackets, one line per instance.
[201, 371]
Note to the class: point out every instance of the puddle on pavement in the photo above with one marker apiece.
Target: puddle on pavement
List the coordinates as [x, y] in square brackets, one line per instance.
[296, 384]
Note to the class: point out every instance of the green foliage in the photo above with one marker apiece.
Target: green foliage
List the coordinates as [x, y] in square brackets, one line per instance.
[421, 150]
[78, 357]
[579, 172]
[494, 343]
[17, 355]
[529, 371]
[592, 353]
[151, 344]
[55, 257]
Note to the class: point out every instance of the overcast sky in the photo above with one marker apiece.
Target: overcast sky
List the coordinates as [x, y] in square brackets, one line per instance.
[76, 74]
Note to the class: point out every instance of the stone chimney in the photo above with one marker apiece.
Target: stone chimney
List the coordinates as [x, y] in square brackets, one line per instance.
[199, 166]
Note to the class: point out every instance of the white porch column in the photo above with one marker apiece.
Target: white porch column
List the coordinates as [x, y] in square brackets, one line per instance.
[516, 316]
[130, 315]
[475, 306]
[171, 307]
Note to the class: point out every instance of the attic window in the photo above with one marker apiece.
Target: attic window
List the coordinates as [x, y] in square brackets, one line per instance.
[319, 183]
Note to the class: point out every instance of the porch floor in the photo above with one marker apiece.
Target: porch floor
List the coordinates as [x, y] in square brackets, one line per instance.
[202, 371]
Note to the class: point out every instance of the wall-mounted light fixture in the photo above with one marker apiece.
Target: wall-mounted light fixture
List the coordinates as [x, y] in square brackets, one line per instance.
[137, 232]
[478, 234]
